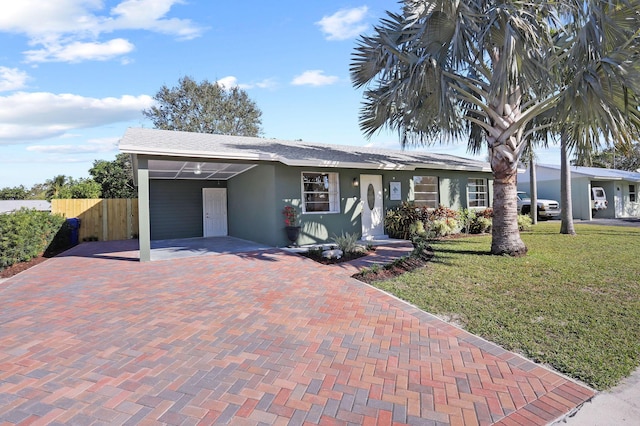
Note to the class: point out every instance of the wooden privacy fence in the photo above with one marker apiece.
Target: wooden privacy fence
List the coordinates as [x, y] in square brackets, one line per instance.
[101, 219]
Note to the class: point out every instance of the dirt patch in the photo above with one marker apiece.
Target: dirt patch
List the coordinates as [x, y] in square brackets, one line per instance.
[393, 269]
[23, 266]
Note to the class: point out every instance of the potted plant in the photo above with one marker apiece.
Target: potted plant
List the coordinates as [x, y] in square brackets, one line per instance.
[291, 223]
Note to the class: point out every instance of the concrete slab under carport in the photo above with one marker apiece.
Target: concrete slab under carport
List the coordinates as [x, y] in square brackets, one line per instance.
[165, 249]
[189, 247]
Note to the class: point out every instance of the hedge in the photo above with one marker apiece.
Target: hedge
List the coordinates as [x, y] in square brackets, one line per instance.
[25, 234]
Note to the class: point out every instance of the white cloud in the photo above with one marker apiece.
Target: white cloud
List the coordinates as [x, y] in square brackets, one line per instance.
[12, 79]
[267, 83]
[149, 15]
[79, 51]
[41, 115]
[231, 81]
[344, 24]
[314, 78]
[70, 30]
[92, 146]
[227, 82]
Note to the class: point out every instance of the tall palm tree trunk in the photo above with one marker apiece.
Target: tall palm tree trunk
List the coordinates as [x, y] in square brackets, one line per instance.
[533, 185]
[505, 233]
[504, 155]
[566, 215]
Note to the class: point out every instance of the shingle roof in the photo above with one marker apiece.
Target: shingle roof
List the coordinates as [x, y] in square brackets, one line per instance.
[293, 153]
[599, 173]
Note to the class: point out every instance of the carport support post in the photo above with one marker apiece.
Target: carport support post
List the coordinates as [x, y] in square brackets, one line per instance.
[144, 233]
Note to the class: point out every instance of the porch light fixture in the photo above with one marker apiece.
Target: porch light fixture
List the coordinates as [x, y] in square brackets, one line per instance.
[198, 169]
[355, 182]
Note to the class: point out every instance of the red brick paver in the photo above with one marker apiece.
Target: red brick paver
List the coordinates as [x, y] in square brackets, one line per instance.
[255, 338]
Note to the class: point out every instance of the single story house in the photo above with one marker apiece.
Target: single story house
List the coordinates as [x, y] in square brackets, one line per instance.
[620, 186]
[200, 185]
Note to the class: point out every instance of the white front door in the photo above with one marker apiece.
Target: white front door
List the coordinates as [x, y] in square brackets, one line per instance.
[372, 211]
[214, 206]
[619, 201]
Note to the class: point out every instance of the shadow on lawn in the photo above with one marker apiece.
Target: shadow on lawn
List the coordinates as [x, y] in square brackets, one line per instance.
[446, 249]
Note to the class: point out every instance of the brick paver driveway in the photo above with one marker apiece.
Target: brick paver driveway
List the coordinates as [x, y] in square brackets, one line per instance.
[254, 338]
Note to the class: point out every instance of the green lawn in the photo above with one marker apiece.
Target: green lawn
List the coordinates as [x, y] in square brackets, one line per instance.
[573, 302]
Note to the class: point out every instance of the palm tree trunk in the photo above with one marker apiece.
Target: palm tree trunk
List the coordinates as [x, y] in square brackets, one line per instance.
[533, 185]
[504, 156]
[505, 233]
[566, 214]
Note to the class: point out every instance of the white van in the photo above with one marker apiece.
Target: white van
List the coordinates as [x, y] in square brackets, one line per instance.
[598, 200]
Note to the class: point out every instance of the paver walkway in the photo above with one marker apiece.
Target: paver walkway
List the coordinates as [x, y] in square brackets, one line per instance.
[256, 338]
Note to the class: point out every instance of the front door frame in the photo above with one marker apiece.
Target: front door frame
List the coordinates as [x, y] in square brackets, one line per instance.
[372, 219]
[209, 227]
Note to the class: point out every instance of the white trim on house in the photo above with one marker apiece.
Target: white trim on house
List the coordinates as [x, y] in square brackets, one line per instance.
[485, 193]
[425, 198]
[333, 193]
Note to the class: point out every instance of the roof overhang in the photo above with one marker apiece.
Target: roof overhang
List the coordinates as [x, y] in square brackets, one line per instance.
[191, 149]
[210, 158]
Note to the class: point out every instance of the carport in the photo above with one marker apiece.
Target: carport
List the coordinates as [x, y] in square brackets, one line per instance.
[203, 174]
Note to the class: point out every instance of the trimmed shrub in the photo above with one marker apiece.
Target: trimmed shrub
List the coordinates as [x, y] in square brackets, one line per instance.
[443, 221]
[476, 222]
[444, 227]
[408, 220]
[398, 221]
[524, 222]
[26, 234]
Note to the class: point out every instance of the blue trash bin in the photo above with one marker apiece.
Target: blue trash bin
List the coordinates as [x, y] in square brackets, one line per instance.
[74, 227]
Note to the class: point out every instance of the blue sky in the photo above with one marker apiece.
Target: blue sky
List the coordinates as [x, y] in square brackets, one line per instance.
[74, 74]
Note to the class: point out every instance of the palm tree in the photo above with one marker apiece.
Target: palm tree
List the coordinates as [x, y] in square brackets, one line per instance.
[600, 98]
[54, 186]
[489, 71]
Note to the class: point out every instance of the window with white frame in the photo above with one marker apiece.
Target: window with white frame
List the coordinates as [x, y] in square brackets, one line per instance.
[320, 192]
[425, 191]
[632, 193]
[477, 193]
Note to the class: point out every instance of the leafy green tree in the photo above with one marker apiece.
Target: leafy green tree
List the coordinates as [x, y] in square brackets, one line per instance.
[38, 192]
[14, 193]
[80, 188]
[614, 158]
[205, 108]
[499, 73]
[115, 177]
[62, 186]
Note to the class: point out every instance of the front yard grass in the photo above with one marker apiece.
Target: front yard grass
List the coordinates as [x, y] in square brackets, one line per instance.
[573, 302]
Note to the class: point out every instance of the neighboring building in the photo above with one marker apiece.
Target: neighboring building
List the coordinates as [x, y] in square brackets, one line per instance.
[12, 205]
[621, 188]
[195, 184]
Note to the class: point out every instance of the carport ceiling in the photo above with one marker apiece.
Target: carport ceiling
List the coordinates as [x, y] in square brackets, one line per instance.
[195, 170]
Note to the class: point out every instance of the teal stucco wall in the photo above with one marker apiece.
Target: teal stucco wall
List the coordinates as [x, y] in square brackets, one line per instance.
[317, 228]
[257, 197]
[252, 205]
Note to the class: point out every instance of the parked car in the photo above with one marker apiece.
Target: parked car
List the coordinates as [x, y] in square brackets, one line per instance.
[547, 209]
[598, 200]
